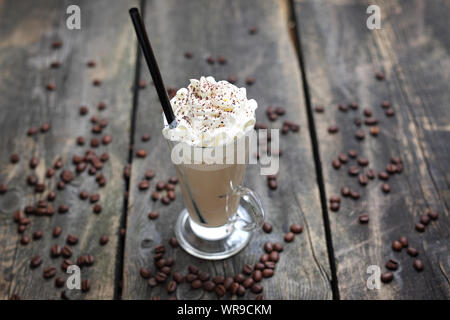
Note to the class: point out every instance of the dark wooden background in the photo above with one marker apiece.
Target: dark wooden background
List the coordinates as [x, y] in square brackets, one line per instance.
[305, 53]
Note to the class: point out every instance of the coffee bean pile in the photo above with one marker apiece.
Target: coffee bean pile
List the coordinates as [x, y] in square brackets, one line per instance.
[359, 167]
[90, 161]
[249, 279]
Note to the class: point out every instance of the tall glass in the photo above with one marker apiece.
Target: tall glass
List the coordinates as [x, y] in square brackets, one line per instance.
[220, 212]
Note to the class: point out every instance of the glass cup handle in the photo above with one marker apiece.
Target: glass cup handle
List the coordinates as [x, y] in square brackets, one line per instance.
[255, 210]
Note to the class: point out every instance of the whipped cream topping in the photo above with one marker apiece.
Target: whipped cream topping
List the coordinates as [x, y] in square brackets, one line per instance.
[210, 113]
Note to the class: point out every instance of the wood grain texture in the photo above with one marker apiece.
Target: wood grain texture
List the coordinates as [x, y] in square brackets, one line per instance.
[221, 28]
[27, 31]
[341, 57]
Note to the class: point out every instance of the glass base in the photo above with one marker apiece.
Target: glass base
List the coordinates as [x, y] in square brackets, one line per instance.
[214, 243]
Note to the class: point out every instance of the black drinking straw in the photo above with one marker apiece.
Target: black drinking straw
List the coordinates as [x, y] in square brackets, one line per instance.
[141, 34]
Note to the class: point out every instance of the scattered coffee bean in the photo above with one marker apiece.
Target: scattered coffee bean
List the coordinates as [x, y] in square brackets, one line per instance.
[360, 134]
[97, 209]
[319, 109]
[144, 272]
[248, 268]
[49, 272]
[418, 265]
[103, 240]
[278, 247]
[397, 245]
[37, 235]
[267, 248]
[257, 288]
[363, 180]
[239, 278]
[141, 153]
[50, 86]
[14, 158]
[392, 265]
[85, 285]
[420, 227]
[345, 191]
[379, 76]
[363, 218]
[413, 252]
[387, 277]
[253, 30]
[196, 284]
[257, 275]
[403, 241]
[250, 80]
[385, 188]
[336, 163]
[267, 273]
[432, 214]
[289, 237]
[72, 239]
[333, 129]
[24, 240]
[425, 220]
[210, 60]
[59, 282]
[390, 112]
[35, 262]
[66, 251]
[55, 251]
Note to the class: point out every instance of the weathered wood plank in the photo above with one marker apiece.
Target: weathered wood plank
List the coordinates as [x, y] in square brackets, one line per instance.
[341, 56]
[27, 31]
[221, 28]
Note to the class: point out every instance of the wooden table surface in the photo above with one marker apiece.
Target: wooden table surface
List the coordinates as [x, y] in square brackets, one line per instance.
[305, 53]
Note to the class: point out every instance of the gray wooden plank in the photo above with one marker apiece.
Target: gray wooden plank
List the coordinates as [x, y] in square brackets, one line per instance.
[341, 57]
[221, 28]
[27, 31]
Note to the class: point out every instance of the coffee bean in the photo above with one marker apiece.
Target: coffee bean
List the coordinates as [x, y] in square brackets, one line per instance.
[267, 227]
[3, 188]
[257, 275]
[383, 175]
[392, 265]
[63, 208]
[149, 174]
[248, 268]
[250, 81]
[239, 278]
[333, 129]
[160, 277]
[49, 272]
[51, 196]
[171, 287]
[257, 288]
[152, 282]
[354, 195]
[107, 139]
[35, 262]
[144, 272]
[342, 107]
[196, 284]
[232, 79]
[248, 283]
[190, 277]
[403, 241]
[379, 76]
[85, 285]
[370, 173]
[345, 191]
[210, 60]
[59, 282]
[204, 276]
[268, 247]
[357, 122]
[425, 220]
[220, 290]
[363, 180]
[50, 86]
[360, 134]
[274, 256]
[66, 251]
[14, 158]
[165, 200]
[390, 112]
[253, 30]
[385, 188]
[418, 265]
[222, 60]
[55, 251]
[37, 235]
[66, 176]
[241, 291]
[264, 257]
[289, 237]
[371, 121]
[45, 127]
[267, 273]
[193, 269]
[34, 162]
[278, 247]
[259, 266]
[363, 218]
[155, 195]
[24, 240]
[413, 252]
[141, 153]
[343, 158]
[432, 214]
[420, 227]
[94, 198]
[319, 109]
[374, 131]
[209, 286]
[72, 239]
[352, 153]
[103, 240]
[334, 199]
[334, 206]
[397, 245]
[386, 277]
[234, 288]
[353, 170]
